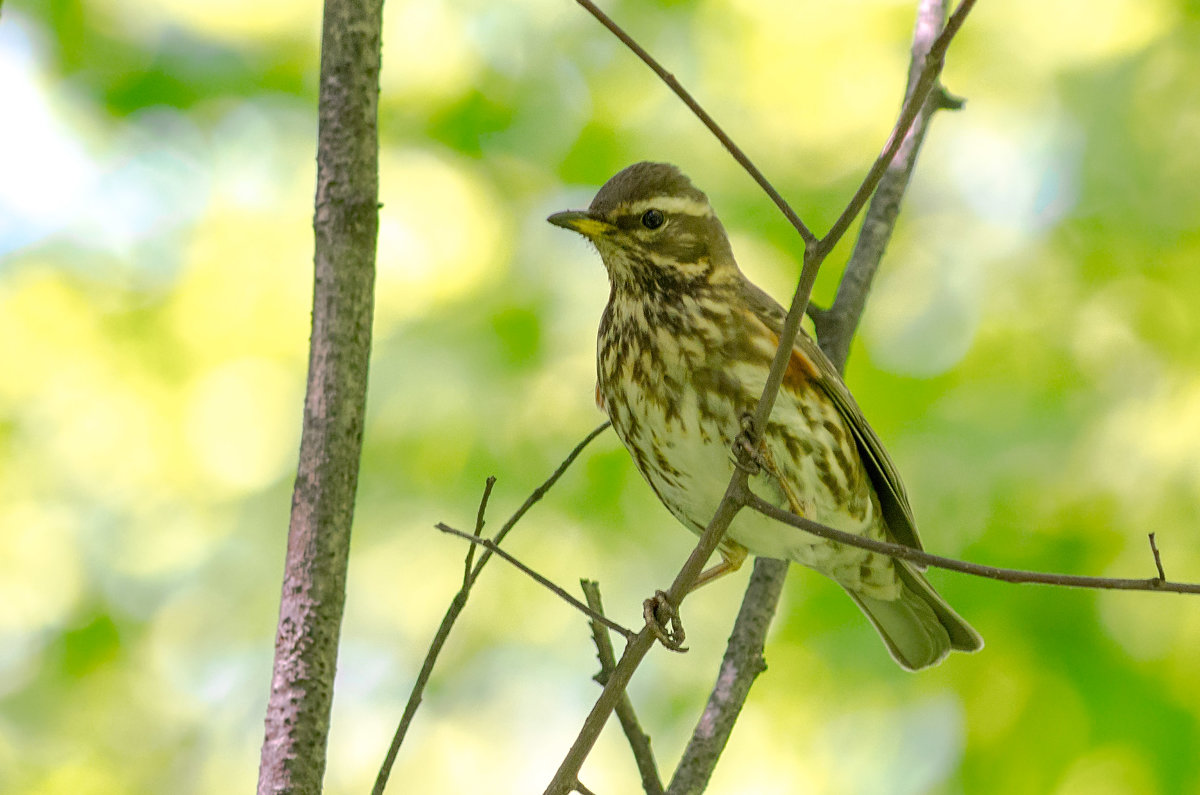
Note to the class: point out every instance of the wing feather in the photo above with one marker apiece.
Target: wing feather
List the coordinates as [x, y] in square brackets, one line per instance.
[807, 357]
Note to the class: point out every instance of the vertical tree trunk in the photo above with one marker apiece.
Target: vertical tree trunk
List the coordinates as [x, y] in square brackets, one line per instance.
[346, 221]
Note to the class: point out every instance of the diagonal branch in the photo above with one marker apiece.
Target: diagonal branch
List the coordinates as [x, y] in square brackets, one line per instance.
[923, 558]
[836, 325]
[639, 741]
[540, 579]
[470, 575]
[815, 253]
[704, 117]
[740, 667]
[538, 493]
[835, 328]
[920, 88]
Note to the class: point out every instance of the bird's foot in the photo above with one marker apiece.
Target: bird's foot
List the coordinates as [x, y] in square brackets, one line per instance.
[663, 619]
[747, 455]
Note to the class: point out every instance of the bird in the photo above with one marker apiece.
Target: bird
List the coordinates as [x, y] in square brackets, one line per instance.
[684, 346]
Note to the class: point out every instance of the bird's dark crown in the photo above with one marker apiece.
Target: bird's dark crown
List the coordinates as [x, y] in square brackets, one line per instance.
[643, 184]
[655, 218]
[656, 233]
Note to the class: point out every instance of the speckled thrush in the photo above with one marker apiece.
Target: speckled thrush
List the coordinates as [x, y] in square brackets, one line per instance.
[684, 347]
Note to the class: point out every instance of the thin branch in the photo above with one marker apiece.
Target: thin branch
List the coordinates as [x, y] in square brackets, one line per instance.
[742, 664]
[540, 579]
[931, 69]
[470, 556]
[460, 601]
[836, 325]
[835, 328]
[816, 253]
[923, 558]
[704, 117]
[538, 493]
[727, 508]
[418, 689]
[639, 741]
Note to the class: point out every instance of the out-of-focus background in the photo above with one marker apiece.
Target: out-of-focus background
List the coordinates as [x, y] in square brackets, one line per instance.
[1031, 356]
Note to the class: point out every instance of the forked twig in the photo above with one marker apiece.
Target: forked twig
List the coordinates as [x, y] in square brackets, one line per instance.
[540, 579]
[704, 117]
[639, 741]
[460, 601]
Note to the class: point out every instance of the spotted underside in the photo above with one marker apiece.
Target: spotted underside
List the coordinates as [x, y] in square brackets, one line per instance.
[684, 349]
[676, 376]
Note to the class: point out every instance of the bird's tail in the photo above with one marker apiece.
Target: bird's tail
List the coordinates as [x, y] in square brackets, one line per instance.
[919, 628]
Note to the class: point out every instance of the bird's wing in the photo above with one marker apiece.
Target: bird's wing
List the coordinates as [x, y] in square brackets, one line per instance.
[807, 357]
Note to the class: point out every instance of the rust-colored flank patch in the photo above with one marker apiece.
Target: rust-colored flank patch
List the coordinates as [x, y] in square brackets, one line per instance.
[800, 370]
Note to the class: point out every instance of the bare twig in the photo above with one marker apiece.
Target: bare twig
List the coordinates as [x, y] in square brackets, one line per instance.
[540, 492]
[483, 501]
[704, 117]
[927, 77]
[742, 664]
[835, 328]
[1162, 575]
[345, 223]
[460, 601]
[923, 558]
[639, 741]
[540, 579]
[815, 253]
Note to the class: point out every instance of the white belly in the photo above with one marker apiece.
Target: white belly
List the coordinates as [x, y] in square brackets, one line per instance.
[695, 466]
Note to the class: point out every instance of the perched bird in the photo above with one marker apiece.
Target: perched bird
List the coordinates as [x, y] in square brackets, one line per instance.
[684, 347]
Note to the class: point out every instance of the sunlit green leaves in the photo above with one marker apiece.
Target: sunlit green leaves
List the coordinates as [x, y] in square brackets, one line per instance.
[1030, 359]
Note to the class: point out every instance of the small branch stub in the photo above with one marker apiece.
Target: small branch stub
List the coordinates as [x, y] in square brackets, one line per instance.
[1162, 576]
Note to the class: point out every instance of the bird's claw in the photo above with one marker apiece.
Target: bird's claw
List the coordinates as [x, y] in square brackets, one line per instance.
[746, 454]
[663, 619]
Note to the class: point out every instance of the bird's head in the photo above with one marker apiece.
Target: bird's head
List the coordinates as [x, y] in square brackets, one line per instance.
[654, 230]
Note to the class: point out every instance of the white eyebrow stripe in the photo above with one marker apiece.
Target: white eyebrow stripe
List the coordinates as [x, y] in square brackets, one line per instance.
[683, 205]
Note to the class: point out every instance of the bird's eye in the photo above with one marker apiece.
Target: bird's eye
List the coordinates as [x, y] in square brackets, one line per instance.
[652, 219]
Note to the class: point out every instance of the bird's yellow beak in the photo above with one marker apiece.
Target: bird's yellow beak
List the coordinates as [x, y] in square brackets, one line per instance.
[582, 222]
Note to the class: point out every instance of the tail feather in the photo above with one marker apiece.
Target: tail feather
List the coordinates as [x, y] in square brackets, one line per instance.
[919, 628]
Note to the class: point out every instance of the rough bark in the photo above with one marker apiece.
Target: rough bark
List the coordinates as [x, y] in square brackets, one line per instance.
[346, 223]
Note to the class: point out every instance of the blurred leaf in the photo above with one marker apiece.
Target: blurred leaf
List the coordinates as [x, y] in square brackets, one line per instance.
[87, 647]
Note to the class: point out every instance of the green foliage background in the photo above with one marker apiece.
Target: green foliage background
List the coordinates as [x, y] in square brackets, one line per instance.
[1030, 356]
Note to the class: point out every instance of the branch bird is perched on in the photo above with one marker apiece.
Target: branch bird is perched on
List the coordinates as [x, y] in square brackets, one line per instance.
[684, 347]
